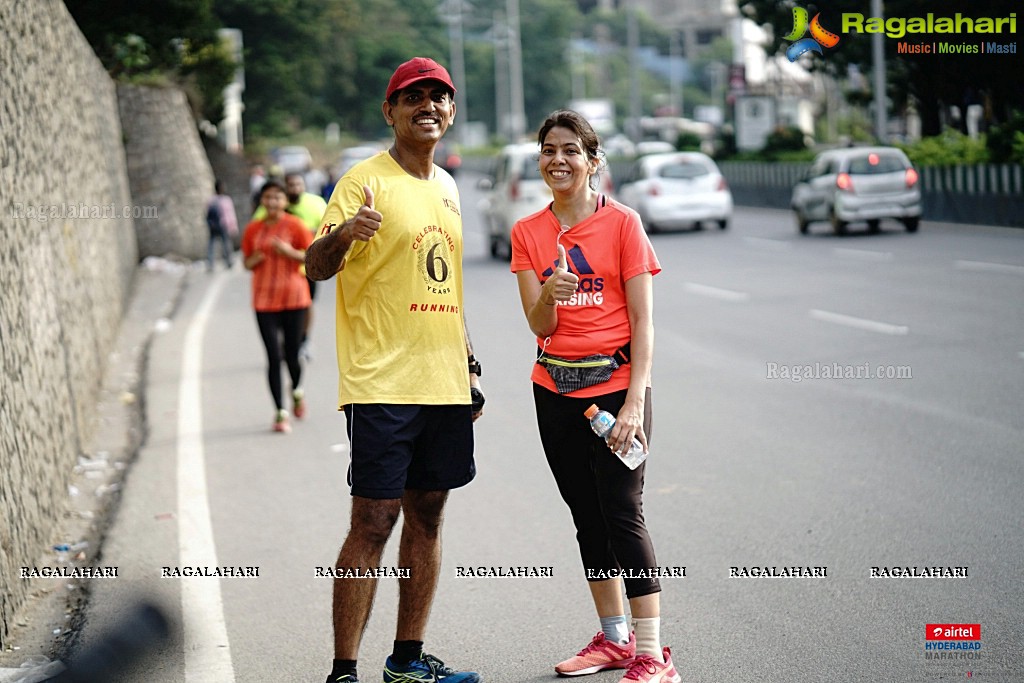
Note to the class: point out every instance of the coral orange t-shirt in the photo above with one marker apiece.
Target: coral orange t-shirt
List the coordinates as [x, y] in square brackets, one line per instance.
[604, 251]
[277, 283]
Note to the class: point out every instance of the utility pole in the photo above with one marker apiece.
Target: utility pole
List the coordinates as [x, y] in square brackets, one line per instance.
[878, 64]
[502, 108]
[577, 69]
[515, 62]
[451, 12]
[636, 108]
[675, 85]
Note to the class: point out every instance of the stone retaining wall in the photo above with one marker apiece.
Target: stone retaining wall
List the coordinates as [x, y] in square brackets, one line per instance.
[67, 260]
[170, 176]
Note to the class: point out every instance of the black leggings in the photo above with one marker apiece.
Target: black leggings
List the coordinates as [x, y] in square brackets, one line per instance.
[604, 496]
[273, 326]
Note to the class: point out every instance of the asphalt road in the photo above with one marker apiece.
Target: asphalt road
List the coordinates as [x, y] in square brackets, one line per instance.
[748, 468]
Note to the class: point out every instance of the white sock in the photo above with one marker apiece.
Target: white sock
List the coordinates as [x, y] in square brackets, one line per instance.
[648, 637]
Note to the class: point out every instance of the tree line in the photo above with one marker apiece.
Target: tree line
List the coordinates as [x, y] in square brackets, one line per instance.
[312, 62]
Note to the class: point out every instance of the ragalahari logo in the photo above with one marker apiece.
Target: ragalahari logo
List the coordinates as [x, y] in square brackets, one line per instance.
[819, 36]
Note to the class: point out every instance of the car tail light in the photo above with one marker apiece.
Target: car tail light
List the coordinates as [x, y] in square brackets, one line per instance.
[653, 189]
[513, 190]
[722, 185]
[911, 177]
[844, 183]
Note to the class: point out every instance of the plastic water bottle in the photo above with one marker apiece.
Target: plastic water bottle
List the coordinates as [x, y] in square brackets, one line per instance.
[601, 421]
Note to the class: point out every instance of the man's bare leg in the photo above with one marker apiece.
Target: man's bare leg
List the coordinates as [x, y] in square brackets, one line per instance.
[420, 551]
[371, 526]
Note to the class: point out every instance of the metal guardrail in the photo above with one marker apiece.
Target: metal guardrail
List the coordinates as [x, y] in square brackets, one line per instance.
[984, 194]
[987, 194]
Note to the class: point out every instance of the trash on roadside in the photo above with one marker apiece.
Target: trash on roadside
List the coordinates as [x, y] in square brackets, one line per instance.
[33, 670]
[107, 488]
[71, 547]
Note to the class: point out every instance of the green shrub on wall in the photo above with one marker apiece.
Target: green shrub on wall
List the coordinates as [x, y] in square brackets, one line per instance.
[1006, 142]
[952, 148]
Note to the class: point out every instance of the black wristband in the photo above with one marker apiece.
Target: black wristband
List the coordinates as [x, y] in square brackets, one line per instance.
[477, 398]
[474, 366]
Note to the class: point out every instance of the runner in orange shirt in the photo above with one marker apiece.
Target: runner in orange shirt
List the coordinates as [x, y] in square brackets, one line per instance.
[585, 269]
[275, 249]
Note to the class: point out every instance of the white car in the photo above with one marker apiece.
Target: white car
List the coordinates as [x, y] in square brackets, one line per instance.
[293, 159]
[858, 184]
[516, 190]
[351, 156]
[676, 190]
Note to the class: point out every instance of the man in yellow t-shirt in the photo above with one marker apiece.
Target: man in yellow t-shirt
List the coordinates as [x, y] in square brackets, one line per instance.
[392, 234]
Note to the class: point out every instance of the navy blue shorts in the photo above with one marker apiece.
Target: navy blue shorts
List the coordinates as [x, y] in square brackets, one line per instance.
[397, 447]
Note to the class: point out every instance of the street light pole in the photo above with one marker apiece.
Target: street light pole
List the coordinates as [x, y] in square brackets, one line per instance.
[502, 108]
[515, 63]
[878, 64]
[675, 85]
[452, 11]
[633, 42]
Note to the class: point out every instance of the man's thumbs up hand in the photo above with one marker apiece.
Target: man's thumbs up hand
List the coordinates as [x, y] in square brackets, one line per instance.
[365, 224]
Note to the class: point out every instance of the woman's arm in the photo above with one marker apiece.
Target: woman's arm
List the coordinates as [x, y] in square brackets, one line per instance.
[540, 307]
[540, 302]
[640, 309]
[288, 251]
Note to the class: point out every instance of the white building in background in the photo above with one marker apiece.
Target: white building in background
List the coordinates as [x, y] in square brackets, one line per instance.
[766, 91]
[777, 92]
[230, 128]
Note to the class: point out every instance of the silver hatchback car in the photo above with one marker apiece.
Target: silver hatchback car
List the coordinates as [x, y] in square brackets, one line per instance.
[858, 184]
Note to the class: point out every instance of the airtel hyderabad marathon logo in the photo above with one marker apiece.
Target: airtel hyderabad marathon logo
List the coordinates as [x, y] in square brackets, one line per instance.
[952, 641]
[819, 36]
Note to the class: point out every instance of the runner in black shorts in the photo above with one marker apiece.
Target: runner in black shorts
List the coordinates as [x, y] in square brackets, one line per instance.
[400, 447]
[406, 366]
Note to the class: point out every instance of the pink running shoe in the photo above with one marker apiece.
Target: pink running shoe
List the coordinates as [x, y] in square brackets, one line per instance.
[298, 404]
[646, 669]
[601, 654]
[281, 422]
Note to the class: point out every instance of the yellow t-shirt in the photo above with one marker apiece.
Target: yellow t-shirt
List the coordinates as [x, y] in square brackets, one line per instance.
[400, 331]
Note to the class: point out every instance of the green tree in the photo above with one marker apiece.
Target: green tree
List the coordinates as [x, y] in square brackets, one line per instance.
[309, 62]
[546, 27]
[284, 74]
[174, 38]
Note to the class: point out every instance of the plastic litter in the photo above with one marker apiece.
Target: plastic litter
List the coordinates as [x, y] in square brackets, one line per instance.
[71, 547]
[33, 670]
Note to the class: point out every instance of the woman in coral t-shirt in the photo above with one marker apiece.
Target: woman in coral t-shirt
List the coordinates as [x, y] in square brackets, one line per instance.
[585, 269]
[275, 249]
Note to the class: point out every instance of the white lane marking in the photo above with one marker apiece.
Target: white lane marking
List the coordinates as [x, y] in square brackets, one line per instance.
[985, 266]
[859, 323]
[715, 292]
[863, 254]
[207, 650]
[768, 243]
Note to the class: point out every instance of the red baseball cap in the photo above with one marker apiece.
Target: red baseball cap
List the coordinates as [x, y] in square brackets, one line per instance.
[418, 69]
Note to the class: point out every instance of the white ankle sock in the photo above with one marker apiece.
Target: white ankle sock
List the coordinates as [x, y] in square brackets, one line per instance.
[648, 637]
